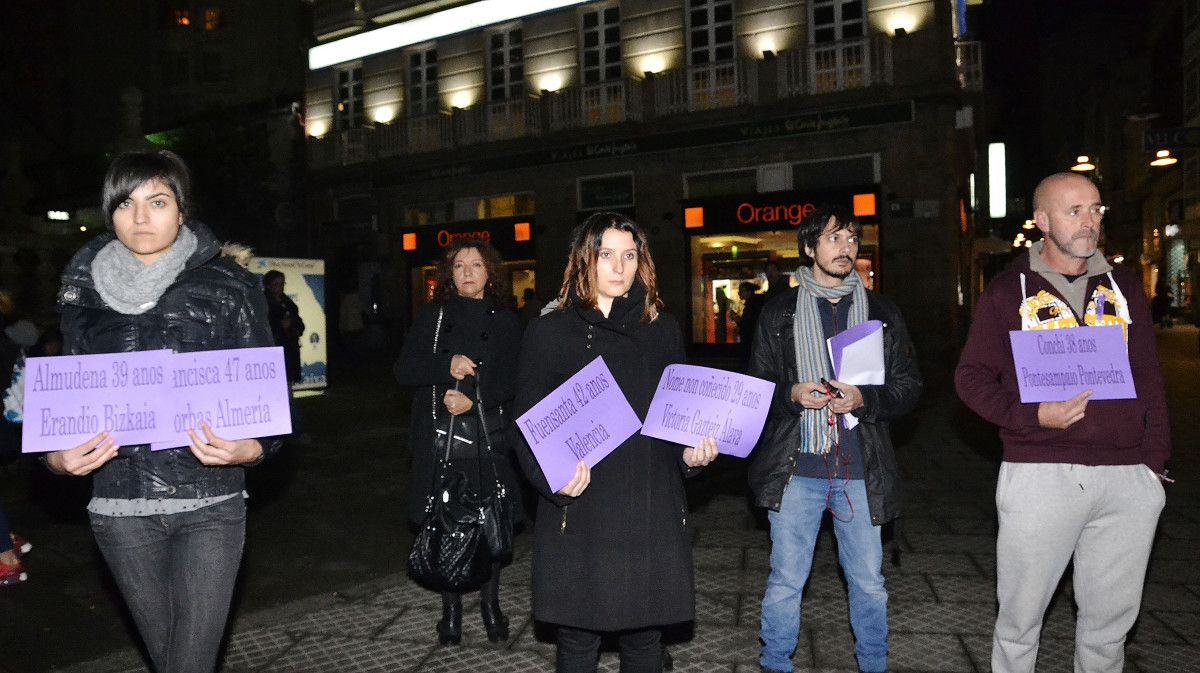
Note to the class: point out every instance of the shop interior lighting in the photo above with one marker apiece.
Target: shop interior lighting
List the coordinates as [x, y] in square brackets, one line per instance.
[429, 27]
[1163, 158]
[1083, 164]
[1029, 224]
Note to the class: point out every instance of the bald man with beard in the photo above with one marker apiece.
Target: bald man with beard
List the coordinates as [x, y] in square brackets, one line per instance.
[1081, 480]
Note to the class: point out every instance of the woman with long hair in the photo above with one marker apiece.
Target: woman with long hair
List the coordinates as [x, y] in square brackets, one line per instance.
[171, 524]
[612, 553]
[473, 334]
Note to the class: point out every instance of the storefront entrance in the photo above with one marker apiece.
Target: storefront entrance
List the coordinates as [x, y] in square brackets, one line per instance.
[748, 245]
[512, 237]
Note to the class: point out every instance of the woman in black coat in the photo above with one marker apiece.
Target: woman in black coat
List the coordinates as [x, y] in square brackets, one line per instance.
[474, 335]
[612, 552]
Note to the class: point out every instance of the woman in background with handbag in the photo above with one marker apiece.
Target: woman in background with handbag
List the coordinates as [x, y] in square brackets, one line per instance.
[612, 552]
[465, 327]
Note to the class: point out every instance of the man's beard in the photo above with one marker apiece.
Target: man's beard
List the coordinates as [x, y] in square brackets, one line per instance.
[840, 275]
[1066, 247]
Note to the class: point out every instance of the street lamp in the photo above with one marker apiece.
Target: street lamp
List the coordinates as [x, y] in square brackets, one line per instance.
[1163, 158]
[1083, 164]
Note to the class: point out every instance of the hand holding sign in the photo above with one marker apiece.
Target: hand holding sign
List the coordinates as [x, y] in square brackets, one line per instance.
[1062, 415]
[214, 450]
[579, 482]
[703, 453]
[86, 458]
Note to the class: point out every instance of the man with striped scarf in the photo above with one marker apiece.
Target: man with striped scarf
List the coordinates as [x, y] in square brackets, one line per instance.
[826, 444]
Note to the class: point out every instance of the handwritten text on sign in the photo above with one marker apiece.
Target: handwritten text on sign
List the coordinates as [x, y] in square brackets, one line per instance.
[696, 402]
[1057, 364]
[154, 397]
[585, 418]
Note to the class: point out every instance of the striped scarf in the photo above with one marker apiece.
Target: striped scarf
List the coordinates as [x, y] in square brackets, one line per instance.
[812, 355]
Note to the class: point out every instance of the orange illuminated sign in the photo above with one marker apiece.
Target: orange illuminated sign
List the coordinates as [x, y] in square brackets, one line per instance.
[864, 205]
[410, 241]
[445, 238]
[693, 218]
[521, 231]
[792, 213]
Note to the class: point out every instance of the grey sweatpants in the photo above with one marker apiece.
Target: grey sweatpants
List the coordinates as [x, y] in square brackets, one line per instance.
[1104, 518]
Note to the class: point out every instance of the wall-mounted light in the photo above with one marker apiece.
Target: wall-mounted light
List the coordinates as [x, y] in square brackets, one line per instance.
[1083, 163]
[82, 228]
[766, 45]
[58, 215]
[653, 63]
[317, 128]
[551, 83]
[901, 22]
[384, 114]
[1163, 158]
[462, 99]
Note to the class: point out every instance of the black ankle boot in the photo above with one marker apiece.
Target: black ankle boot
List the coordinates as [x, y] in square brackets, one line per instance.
[449, 629]
[494, 621]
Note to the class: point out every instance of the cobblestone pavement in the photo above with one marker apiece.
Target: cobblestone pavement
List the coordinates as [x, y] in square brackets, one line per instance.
[942, 590]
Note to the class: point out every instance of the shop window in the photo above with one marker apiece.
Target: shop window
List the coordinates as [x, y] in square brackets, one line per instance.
[212, 18]
[834, 172]
[506, 74]
[605, 192]
[181, 17]
[422, 82]
[601, 44]
[835, 20]
[349, 112]
[505, 205]
[721, 183]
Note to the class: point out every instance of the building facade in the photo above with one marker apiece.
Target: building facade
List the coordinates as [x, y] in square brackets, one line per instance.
[716, 124]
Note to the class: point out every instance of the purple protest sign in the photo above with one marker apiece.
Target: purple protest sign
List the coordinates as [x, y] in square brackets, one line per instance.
[68, 399]
[241, 392]
[585, 418]
[1057, 364]
[692, 403]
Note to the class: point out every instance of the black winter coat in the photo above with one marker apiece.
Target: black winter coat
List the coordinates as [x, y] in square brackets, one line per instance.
[619, 556]
[774, 359]
[487, 335]
[213, 304]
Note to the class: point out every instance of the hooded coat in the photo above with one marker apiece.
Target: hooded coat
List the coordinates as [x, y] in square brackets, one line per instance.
[619, 556]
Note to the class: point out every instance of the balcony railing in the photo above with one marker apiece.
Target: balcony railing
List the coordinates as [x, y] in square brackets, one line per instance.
[835, 66]
[968, 63]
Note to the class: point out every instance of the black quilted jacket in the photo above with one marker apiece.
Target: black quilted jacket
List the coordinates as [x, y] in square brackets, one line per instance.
[213, 304]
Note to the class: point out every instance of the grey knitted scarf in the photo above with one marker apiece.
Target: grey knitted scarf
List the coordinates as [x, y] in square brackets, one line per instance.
[812, 355]
[130, 287]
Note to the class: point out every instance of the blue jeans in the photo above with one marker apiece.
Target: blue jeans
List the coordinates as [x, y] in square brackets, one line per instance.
[176, 573]
[794, 531]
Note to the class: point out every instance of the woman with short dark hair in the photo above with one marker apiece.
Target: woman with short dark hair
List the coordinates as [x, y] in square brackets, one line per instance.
[171, 524]
[612, 552]
[464, 331]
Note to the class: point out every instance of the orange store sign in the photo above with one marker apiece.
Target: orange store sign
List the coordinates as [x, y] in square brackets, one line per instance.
[792, 213]
[445, 238]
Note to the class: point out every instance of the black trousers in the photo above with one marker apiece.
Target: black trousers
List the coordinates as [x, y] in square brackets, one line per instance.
[579, 650]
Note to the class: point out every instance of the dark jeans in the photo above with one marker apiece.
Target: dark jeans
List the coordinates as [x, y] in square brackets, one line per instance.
[176, 573]
[641, 650]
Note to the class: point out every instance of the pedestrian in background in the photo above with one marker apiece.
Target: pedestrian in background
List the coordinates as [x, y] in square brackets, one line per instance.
[1080, 480]
[286, 325]
[171, 524]
[473, 332]
[12, 546]
[810, 459]
[612, 552]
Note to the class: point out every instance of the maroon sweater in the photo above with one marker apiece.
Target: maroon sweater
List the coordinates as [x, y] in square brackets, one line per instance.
[1112, 432]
